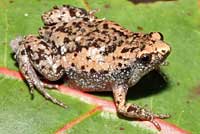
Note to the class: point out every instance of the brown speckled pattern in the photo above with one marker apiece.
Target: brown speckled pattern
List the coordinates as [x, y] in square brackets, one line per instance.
[94, 54]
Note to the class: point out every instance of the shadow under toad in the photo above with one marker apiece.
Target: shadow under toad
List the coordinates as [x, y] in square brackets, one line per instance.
[153, 83]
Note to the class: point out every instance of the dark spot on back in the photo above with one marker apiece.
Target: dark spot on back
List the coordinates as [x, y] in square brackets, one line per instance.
[72, 65]
[74, 23]
[61, 29]
[124, 50]
[75, 54]
[78, 24]
[120, 42]
[104, 71]
[132, 49]
[95, 45]
[83, 67]
[78, 47]
[100, 40]
[109, 49]
[72, 12]
[119, 32]
[104, 32]
[114, 38]
[88, 58]
[105, 26]
[92, 70]
[120, 64]
[59, 18]
[66, 40]
[52, 28]
[86, 19]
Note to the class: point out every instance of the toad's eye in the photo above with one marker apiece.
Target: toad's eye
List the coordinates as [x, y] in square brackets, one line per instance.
[145, 58]
[157, 36]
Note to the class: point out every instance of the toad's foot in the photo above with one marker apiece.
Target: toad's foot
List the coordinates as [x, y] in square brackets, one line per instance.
[135, 111]
[132, 110]
[31, 76]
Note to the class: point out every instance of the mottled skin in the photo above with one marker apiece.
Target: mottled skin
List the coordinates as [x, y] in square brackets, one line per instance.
[94, 54]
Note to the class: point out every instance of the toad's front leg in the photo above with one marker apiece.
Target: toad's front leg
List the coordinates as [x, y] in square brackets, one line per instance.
[26, 68]
[132, 110]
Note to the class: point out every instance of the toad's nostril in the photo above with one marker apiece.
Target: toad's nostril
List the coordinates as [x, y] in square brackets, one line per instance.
[163, 51]
[162, 47]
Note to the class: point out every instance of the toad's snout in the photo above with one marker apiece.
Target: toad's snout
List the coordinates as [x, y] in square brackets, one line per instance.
[163, 48]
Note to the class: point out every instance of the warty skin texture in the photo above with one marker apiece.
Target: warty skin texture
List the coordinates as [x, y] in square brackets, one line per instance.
[94, 54]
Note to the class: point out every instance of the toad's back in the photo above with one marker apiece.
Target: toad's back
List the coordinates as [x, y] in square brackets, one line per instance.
[93, 50]
[96, 45]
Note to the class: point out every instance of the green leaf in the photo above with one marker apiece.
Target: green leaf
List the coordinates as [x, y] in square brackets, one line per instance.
[19, 114]
[178, 21]
[106, 123]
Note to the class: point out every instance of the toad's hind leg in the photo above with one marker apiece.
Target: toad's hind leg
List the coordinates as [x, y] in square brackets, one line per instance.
[29, 73]
[132, 110]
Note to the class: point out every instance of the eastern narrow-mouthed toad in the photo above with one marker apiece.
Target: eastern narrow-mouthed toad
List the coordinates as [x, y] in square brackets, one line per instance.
[94, 54]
